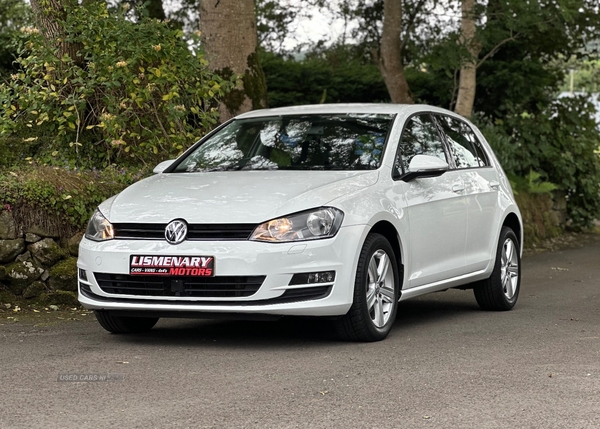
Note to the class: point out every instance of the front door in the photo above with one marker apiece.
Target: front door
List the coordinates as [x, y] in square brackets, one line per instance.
[436, 209]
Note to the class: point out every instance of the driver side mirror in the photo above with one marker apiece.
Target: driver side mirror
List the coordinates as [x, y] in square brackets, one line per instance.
[163, 166]
[424, 166]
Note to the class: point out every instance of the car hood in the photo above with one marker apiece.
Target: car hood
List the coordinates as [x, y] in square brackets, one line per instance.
[231, 197]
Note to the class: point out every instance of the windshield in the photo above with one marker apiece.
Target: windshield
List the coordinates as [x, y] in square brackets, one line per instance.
[294, 142]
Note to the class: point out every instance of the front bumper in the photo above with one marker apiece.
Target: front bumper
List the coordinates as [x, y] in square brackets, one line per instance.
[276, 262]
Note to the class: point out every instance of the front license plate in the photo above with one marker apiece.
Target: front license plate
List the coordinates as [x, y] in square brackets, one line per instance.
[196, 266]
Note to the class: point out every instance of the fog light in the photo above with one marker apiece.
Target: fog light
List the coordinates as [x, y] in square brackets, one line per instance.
[83, 275]
[310, 278]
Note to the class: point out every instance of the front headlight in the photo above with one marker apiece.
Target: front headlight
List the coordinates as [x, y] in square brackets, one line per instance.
[313, 224]
[99, 229]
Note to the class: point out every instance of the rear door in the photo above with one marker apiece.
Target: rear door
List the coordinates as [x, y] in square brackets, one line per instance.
[435, 206]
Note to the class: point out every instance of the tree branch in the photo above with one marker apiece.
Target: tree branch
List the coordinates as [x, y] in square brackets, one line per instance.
[495, 49]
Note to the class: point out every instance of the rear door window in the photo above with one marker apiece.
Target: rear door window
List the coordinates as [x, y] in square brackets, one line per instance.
[465, 148]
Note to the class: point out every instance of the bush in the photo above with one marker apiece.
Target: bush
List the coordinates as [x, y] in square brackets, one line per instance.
[59, 199]
[135, 92]
[321, 80]
[561, 144]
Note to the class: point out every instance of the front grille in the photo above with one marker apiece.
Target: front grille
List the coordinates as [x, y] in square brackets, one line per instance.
[199, 287]
[156, 231]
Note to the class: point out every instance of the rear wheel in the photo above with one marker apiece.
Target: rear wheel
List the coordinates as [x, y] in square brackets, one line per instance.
[375, 293]
[123, 324]
[500, 291]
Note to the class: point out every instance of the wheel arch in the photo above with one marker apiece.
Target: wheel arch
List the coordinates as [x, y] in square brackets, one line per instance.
[388, 230]
[512, 221]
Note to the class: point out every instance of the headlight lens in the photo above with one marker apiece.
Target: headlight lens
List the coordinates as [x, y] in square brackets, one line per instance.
[314, 224]
[99, 229]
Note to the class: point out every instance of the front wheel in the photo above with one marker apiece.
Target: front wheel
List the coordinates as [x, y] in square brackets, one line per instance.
[122, 324]
[375, 301]
[500, 291]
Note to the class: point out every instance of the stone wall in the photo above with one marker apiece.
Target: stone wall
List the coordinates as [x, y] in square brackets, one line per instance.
[544, 216]
[37, 265]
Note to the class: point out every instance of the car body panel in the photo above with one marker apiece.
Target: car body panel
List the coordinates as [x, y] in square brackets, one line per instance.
[437, 216]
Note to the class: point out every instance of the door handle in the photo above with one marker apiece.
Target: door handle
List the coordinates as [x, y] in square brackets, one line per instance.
[458, 188]
[494, 185]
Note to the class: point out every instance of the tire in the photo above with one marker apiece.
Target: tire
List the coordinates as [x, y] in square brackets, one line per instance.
[124, 325]
[375, 301]
[501, 290]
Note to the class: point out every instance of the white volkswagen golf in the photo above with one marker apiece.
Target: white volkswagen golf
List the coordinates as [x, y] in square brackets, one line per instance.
[339, 211]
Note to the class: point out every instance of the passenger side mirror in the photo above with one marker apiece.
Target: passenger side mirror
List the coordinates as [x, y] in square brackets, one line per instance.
[424, 166]
[163, 166]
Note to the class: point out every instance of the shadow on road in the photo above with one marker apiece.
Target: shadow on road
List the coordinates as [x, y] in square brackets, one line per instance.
[412, 314]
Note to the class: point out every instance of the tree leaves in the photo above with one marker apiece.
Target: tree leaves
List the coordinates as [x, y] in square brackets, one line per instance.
[127, 91]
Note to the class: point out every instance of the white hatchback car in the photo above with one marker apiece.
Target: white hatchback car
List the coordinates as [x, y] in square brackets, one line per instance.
[338, 211]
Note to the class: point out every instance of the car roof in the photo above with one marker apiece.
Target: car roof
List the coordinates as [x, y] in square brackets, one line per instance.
[366, 108]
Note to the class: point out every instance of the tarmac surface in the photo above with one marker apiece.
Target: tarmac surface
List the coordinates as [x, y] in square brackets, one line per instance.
[446, 364]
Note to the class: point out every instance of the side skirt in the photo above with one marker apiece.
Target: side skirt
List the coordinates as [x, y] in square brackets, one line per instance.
[442, 285]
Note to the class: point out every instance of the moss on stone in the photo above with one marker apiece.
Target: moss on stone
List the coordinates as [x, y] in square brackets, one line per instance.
[34, 290]
[63, 276]
[22, 274]
[72, 244]
[42, 299]
[46, 252]
[60, 297]
[7, 226]
[9, 249]
[6, 297]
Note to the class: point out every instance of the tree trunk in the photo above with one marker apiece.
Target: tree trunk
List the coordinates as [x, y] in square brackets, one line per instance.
[468, 70]
[47, 15]
[230, 41]
[390, 59]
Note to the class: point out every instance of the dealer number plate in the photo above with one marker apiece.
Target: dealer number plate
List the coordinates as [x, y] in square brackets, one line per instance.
[195, 266]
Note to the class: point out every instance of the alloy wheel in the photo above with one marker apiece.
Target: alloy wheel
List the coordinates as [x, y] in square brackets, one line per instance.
[380, 288]
[509, 269]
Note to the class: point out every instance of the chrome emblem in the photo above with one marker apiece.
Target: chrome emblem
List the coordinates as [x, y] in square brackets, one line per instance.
[176, 231]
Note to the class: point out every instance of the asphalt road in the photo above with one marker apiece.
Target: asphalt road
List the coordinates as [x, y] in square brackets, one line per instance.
[446, 364]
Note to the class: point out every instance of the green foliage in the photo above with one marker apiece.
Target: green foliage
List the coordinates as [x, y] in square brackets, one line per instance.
[13, 14]
[69, 196]
[561, 143]
[17, 150]
[333, 77]
[586, 75]
[133, 92]
[532, 183]
[526, 38]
